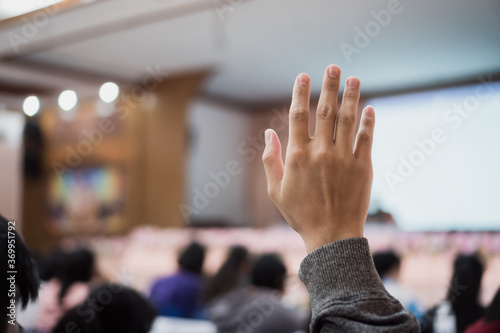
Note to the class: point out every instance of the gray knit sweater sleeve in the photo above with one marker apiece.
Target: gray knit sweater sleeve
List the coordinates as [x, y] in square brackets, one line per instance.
[346, 292]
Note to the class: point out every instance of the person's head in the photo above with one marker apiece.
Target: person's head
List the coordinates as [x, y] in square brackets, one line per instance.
[15, 257]
[237, 257]
[191, 259]
[49, 265]
[387, 264]
[229, 274]
[493, 311]
[466, 279]
[75, 266]
[464, 289]
[269, 272]
[120, 309]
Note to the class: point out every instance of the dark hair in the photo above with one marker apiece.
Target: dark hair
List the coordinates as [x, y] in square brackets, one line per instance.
[269, 271]
[464, 290]
[110, 308]
[385, 262]
[73, 321]
[49, 265]
[228, 275]
[493, 311]
[76, 266]
[26, 276]
[191, 259]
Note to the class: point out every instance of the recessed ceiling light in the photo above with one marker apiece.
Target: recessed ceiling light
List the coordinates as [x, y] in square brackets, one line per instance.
[67, 100]
[31, 105]
[109, 92]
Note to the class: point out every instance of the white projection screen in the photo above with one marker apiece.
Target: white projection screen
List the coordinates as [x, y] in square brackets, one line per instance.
[436, 158]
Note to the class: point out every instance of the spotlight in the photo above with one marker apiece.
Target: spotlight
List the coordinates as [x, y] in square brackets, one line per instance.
[109, 92]
[31, 105]
[67, 100]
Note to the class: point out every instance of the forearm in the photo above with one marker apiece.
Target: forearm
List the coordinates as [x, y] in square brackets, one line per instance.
[347, 294]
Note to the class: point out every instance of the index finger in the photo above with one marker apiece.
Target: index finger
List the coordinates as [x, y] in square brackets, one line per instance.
[299, 111]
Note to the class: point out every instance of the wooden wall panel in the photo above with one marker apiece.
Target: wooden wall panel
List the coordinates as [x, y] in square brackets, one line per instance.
[149, 143]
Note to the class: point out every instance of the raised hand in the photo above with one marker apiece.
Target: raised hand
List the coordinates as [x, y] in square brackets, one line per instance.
[323, 188]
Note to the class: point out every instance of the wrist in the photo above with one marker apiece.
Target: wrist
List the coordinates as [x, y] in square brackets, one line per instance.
[313, 242]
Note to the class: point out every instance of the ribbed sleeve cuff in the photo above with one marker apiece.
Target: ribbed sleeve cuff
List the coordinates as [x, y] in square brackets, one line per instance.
[340, 270]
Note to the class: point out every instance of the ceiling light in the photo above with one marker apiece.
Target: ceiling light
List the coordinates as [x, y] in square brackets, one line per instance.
[31, 105]
[67, 100]
[109, 92]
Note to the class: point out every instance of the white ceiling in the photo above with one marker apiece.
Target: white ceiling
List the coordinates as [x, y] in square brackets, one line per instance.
[255, 48]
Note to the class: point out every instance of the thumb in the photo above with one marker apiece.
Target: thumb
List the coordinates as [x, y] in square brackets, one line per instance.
[273, 164]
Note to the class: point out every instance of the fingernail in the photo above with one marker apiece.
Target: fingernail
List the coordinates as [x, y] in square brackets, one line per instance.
[267, 136]
[353, 82]
[333, 72]
[369, 111]
[302, 79]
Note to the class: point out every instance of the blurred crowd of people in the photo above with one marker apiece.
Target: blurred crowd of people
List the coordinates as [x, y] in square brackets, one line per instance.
[244, 295]
[460, 311]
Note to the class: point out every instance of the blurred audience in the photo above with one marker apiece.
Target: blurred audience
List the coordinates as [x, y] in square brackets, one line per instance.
[109, 308]
[388, 266]
[233, 274]
[21, 286]
[243, 296]
[490, 323]
[461, 307]
[179, 295]
[258, 308]
[69, 287]
[47, 267]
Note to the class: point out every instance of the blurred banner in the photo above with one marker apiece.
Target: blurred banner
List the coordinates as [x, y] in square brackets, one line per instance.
[11, 132]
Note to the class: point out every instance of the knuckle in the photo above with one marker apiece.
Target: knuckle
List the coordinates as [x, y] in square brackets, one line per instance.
[271, 192]
[343, 160]
[299, 114]
[322, 157]
[267, 158]
[330, 84]
[326, 111]
[359, 167]
[298, 156]
[364, 136]
[369, 122]
[346, 118]
[351, 94]
[301, 90]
